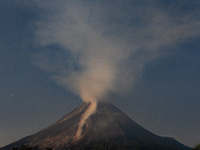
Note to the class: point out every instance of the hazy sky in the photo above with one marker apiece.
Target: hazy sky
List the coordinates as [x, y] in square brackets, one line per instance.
[143, 56]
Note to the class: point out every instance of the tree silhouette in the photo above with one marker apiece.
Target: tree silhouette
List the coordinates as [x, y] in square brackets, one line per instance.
[197, 147]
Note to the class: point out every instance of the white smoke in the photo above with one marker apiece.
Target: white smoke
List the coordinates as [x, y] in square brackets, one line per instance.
[106, 44]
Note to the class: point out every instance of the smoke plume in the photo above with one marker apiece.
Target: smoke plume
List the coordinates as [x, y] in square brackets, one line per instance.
[94, 48]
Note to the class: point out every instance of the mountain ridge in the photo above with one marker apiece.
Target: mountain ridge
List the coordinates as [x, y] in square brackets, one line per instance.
[107, 128]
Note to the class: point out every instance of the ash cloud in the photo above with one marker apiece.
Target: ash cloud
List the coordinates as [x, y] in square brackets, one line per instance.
[95, 48]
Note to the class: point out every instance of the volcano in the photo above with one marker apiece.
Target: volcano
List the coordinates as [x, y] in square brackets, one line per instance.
[107, 128]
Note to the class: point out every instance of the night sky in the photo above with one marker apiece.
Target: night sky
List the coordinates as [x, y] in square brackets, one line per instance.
[143, 56]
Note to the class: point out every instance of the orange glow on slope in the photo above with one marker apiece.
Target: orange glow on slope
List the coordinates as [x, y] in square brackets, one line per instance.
[84, 116]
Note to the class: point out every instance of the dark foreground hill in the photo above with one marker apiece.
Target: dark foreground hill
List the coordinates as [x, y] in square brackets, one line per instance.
[107, 129]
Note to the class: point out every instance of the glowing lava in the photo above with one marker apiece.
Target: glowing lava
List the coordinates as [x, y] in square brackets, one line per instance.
[91, 110]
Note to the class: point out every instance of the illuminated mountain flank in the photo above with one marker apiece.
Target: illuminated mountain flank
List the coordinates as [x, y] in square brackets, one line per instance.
[107, 128]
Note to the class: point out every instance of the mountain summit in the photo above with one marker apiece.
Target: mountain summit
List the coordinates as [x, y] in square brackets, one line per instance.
[107, 128]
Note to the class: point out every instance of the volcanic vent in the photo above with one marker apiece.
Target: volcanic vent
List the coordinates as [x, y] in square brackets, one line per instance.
[107, 128]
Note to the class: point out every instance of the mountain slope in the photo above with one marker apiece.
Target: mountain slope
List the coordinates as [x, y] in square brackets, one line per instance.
[108, 128]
